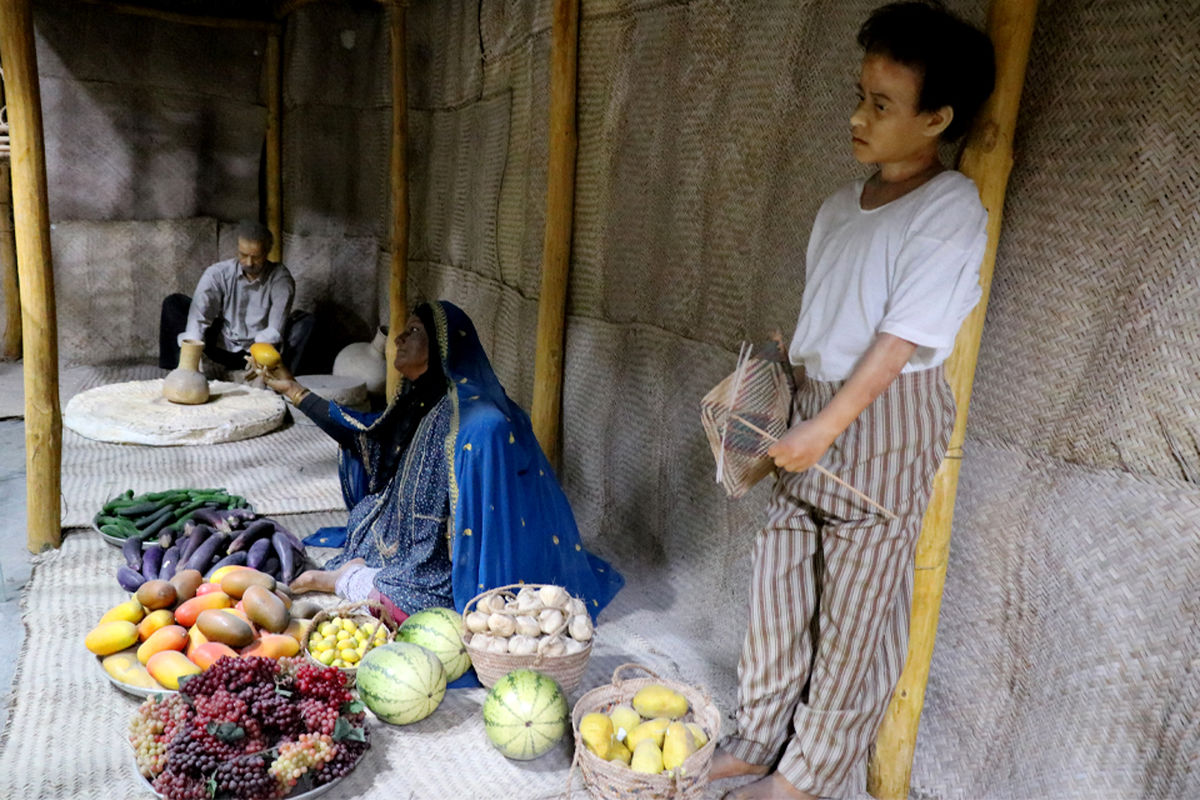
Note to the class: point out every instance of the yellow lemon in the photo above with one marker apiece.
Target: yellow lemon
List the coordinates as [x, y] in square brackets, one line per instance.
[325, 657]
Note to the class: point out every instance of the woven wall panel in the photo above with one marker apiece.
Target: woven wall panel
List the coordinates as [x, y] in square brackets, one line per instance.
[444, 60]
[1092, 330]
[109, 292]
[336, 54]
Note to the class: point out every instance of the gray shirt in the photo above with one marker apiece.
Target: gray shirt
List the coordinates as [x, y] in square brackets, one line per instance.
[249, 311]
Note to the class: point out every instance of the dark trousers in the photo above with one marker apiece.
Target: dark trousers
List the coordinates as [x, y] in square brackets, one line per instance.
[173, 321]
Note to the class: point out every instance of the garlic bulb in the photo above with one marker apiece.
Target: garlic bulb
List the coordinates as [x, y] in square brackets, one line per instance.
[522, 645]
[477, 622]
[528, 602]
[481, 641]
[551, 646]
[498, 646]
[550, 620]
[511, 608]
[573, 646]
[528, 626]
[576, 606]
[553, 596]
[502, 625]
[493, 603]
[580, 627]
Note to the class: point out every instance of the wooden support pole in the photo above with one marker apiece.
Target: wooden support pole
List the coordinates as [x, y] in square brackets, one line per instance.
[398, 172]
[274, 145]
[8, 261]
[556, 244]
[987, 159]
[31, 212]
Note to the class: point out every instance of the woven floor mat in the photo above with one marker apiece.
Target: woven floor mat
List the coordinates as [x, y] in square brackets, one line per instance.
[288, 471]
[67, 727]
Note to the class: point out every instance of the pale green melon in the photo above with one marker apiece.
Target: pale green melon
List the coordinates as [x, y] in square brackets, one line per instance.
[438, 630]
[401, 682]
[525, 714]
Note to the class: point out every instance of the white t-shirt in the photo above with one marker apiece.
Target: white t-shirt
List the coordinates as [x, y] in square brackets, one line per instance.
[909, 268]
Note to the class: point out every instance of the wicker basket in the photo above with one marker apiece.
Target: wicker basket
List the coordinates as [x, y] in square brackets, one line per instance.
[490, 667]
[365, 612]
[613, 780]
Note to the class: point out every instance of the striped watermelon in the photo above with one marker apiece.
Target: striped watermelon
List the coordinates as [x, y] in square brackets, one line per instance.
[401, 682]
[438, 630]
[525, 714]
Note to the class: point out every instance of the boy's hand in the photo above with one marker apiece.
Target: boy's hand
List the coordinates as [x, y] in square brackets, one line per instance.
[802, 446]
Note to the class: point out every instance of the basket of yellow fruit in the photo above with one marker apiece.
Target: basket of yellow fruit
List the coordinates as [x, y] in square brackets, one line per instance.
[645, 737]
[342, 635]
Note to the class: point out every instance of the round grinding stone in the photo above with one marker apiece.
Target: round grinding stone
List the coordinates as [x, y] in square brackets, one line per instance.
[137, 413]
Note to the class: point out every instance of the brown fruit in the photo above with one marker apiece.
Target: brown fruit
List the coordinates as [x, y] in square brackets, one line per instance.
[265, 609]
[156, 594]
[186, 582]
[236, 582]
[220, 626]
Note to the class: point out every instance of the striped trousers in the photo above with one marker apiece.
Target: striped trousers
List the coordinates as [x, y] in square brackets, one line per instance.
[831, 588]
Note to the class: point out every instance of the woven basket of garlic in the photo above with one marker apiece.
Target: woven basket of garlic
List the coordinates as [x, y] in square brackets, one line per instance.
[528, 626]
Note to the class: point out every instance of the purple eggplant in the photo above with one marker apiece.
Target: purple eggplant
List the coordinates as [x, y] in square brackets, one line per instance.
[294, 540]
[271, 567]
[205, 552]
[198, 534]
[223, 519]
[166, 539]
[252, 533]
[132, 550]
[170, 561]
[151, 561]
[287, 556]
[130, 579]
[238, 559]
[256, 556]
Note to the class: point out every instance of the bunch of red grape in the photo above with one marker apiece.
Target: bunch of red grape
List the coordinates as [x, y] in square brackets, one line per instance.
[249, 728]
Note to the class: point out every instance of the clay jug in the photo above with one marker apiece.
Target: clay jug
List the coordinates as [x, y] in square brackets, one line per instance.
[365, 361]
[186, 383]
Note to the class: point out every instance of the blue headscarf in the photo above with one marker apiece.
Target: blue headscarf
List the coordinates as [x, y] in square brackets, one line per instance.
[509, 520]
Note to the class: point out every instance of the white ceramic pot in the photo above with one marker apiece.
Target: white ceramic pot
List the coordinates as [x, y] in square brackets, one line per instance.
[186, 384]
[365, 361]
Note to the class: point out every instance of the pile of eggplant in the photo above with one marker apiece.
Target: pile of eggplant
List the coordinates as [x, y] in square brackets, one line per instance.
[211, 539]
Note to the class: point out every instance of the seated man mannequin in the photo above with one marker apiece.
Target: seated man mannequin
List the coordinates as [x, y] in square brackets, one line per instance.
[238, 302]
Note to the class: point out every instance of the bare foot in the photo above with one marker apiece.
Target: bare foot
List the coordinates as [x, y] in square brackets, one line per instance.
[727, 765]
[772, 787]
[322, 580]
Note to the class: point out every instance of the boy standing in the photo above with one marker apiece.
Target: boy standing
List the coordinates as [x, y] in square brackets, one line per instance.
[892, 270]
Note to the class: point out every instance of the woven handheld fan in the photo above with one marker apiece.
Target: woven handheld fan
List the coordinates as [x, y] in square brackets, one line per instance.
[759, 392]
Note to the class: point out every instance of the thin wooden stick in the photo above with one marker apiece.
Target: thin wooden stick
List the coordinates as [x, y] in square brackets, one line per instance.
[817, 467]
[397, 189]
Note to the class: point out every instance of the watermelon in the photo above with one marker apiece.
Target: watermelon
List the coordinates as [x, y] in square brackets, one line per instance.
[525, 714]
[438, 630]
[401, 682]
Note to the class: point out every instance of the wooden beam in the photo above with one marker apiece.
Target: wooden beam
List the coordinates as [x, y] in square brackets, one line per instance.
[398, 177]
[187, 19]
[556, 243]
[987, 159]
[11, 348]
[274, 56]
[43, 424]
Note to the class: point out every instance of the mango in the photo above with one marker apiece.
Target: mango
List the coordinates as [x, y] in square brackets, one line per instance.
[265, 609]
[208, 587]
[109, 637]
[207, 654]
[155, 620]
[196, 639]
[624, 719]
[659, 701]
[596, 731]
[221, 625]
[187, 612]
[678, 744]
[698, 734]
[647, 758]
[129, 611]
[284, 596]
[265, 355]
[653, 729]
[298, 628]
[186, 582]
[156, 594]
[619, 752]
[273, 645]
[125, 667]
[172, 637]
[218, 575]
[236, 582]
[168, 666]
